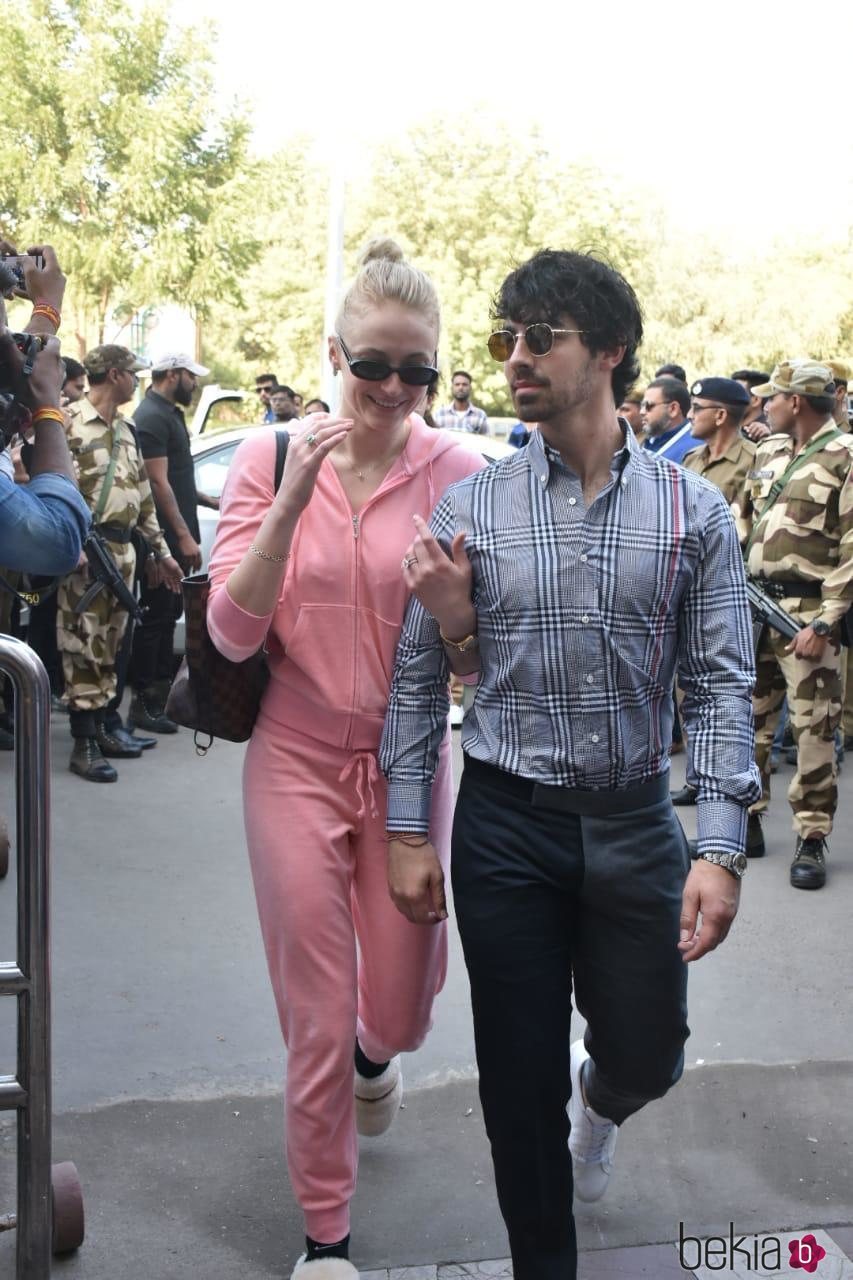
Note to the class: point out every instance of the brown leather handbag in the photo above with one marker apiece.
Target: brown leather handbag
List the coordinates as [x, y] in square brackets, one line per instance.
[213, 696]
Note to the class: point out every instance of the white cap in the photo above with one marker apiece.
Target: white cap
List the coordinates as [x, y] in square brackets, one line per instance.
[179, 360]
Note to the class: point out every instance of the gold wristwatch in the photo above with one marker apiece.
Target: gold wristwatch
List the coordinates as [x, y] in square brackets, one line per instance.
[461, 646]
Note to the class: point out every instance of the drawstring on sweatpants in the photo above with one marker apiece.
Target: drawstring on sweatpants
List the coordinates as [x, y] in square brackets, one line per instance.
[367, 776]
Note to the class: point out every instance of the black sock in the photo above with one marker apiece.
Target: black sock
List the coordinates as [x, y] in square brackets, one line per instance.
[314, 1250]
[364, 1067]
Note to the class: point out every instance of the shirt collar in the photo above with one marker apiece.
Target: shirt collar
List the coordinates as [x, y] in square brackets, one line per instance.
[88, 413]
[540, 455]
[151, 394]
[667, 435]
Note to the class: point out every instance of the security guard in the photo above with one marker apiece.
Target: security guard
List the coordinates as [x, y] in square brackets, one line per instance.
[800, 551]
[113, 483]
[724, 457]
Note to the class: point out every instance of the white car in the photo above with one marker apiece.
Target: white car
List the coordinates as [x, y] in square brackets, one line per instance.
[212, 454]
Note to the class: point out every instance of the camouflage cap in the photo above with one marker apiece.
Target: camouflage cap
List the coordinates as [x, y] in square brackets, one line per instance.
[803, 377]
[839, 369]
[110, 356]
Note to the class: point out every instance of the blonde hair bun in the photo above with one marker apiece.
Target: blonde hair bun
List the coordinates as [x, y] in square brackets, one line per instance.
[381, 249]
[384, 275]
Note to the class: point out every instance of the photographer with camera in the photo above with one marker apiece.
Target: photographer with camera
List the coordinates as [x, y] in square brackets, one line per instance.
[43, 523]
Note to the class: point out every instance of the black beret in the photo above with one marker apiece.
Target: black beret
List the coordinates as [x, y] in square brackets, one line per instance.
[726, 390]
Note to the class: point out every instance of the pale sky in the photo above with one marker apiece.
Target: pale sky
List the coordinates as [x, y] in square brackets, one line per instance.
[738, 116]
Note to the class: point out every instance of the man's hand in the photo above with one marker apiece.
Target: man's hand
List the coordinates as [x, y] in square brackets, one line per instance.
[44, 284]
[416, 882]
[22, 476]
[189, 552]
[41, 389]
[713, 893]
[207, 500]
[806, 644]
[757, 431]
[440, 582]
[171, 573]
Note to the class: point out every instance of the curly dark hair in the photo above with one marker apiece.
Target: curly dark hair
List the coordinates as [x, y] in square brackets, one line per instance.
[556, 283]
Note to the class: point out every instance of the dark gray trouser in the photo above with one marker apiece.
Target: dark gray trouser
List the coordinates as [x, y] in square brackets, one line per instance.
[543, 897]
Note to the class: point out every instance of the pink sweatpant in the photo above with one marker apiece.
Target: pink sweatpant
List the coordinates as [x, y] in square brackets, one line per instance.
[342, 959]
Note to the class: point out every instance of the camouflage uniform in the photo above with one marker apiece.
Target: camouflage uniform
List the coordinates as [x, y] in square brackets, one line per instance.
[89, 642]
[807, 535]
[729, 474]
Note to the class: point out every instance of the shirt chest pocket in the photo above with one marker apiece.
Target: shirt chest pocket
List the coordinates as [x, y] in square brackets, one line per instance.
[808, 503]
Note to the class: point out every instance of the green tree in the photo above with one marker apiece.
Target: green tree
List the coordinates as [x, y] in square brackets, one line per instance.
[112, 150]
[467, 206]
[281, 326]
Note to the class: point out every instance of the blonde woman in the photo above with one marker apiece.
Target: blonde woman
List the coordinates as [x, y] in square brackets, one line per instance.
[314, 571]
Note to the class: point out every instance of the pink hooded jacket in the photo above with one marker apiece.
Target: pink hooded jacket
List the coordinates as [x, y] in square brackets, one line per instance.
[333, 636]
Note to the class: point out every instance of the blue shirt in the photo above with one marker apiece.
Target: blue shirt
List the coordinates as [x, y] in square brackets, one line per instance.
[584, 615]
[674, 444]
[42, 524]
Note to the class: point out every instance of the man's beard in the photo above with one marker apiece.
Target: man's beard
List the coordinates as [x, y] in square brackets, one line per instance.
[183, 396]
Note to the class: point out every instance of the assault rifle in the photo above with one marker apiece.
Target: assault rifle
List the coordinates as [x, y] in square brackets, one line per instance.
[766, 612]
[106, 574]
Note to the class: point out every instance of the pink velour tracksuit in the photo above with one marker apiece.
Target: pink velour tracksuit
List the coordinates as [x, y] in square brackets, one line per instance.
[342, 959]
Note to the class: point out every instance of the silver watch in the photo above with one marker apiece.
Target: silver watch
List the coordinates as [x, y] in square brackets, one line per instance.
[736, 863]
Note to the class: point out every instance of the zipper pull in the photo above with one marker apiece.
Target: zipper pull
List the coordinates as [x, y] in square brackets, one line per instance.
[355, 526]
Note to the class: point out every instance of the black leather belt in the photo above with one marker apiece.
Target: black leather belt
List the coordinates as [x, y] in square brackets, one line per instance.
[115, 532]
[785, 588]
[589, 804]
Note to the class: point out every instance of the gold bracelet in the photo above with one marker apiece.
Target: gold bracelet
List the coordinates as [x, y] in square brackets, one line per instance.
[408, 838]
[266, 555]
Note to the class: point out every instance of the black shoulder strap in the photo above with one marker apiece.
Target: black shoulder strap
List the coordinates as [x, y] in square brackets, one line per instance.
[282, 440]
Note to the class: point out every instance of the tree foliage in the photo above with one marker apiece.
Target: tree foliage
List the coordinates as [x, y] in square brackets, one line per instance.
[112, 150]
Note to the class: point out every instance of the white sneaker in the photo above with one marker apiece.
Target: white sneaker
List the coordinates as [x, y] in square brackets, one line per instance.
[592, 1139]
[324, 1269]
[457, 715]
[377, 1101]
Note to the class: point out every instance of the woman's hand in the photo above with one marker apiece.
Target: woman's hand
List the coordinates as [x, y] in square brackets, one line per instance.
[305, 454]
[416, 881]
[440, 582]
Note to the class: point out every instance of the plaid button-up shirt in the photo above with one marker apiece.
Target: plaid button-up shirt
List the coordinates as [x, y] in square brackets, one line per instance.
[585, 615]
[471, 419]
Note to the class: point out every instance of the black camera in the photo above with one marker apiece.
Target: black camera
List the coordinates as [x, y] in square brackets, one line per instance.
[13, 414]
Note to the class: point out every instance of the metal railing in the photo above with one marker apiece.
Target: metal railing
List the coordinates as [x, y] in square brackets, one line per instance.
[28, 978]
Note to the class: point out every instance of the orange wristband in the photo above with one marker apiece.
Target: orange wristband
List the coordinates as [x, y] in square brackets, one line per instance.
[49, 312]
[49, 415]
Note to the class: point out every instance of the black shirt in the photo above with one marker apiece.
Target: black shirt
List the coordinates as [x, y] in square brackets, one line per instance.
[163, 434]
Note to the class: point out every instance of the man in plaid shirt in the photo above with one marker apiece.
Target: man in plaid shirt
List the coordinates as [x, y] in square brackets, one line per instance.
[577, 577]
[461, 414]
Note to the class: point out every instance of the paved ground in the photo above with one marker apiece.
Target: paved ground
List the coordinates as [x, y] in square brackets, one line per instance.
[168, 1063]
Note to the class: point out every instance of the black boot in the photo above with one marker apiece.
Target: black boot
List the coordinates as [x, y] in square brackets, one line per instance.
[808, 870]
[87, 760]
[146, 712]
[116, 743]
[754, 837]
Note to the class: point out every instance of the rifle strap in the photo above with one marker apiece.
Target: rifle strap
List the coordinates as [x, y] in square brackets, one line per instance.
[110, 476]
[778, 486]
